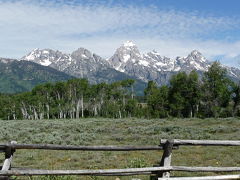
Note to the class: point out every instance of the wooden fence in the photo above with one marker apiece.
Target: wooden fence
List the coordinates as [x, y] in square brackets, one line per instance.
[161, 172]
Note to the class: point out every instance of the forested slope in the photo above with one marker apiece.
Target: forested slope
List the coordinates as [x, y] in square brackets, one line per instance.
[19, 76]
[215, 95]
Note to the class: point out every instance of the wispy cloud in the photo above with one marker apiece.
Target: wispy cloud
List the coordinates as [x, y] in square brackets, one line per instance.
[26, 24]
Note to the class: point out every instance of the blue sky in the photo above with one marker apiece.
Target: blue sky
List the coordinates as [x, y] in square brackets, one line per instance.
[171, 27]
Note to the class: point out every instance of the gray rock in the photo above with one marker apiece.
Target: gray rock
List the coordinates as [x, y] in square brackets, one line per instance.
[127, 61]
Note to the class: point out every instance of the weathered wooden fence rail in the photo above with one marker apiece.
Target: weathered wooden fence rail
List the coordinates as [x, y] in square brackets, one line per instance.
[179, 142]
[161, 172]
[81, 148]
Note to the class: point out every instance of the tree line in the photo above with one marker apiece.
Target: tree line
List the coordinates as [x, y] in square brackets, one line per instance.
[186, 95]
[214, 95]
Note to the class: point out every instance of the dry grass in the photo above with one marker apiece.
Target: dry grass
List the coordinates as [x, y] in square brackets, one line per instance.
[120, 132]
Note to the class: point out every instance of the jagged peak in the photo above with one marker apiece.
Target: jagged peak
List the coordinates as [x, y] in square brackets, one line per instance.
[41, 51]
[45, 56]
[37, 52]
[197, 56]
[195, 53]
[36, 49]
[128, 44]
[83, 52]
[127, 51]
[154, 52]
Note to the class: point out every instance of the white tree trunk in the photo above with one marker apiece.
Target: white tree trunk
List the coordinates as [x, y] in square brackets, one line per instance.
[35, 114]
[82, 105]
[48, 109]
[120, 115]
[132, 92]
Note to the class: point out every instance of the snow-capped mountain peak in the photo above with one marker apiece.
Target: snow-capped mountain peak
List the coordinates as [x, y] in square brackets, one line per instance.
[43, 57]
[32, 55]
[197, 56]
[80, 63]
[129, 48]
[194, 61]
[48, 57]
[151, 65]
[127, 58]
[127, 53]
[82, 53]
[195, 52]
[129, 44]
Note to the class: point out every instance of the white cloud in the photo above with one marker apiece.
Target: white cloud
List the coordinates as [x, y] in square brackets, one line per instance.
[25, 25]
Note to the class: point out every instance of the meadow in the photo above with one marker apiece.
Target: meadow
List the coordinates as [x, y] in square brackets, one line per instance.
[130, 131]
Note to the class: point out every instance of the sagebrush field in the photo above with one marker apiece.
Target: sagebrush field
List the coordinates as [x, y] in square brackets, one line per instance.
[119, 132]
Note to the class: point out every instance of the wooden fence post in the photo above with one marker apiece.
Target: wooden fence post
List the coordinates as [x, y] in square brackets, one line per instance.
[166, 158]
[165, 161]
[8, 159]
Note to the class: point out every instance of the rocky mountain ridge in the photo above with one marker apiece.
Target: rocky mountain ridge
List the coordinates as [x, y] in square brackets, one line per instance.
[153, 66]
[127, 60]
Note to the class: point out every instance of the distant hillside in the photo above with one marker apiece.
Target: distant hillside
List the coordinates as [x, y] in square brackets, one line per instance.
[19, 76]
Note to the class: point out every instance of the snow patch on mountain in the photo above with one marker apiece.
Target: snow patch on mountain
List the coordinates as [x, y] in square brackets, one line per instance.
[128, 55]
[127, 58]
[129, 44]
[144, 62]
[47, 57]
[80, 63]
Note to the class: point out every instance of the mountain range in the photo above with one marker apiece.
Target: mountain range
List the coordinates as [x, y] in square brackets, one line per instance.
[153, 66]
[126, 62]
